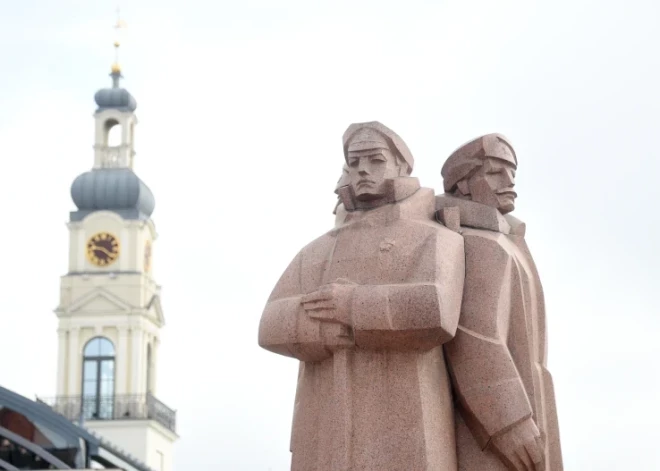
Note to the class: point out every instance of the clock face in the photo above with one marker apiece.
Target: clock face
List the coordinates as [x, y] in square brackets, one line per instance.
[147, 256]
[102, 249]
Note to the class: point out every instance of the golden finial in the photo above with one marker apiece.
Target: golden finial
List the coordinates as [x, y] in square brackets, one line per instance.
[116, 68]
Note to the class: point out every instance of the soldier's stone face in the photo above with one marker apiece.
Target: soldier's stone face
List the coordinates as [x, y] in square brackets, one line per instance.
[369, 171]
[493, 184]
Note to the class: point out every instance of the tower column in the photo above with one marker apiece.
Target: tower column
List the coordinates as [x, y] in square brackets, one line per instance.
[61, 361]
[122, 359]
[74, 361]
[154, 362]
[136, 354]
[80, 261]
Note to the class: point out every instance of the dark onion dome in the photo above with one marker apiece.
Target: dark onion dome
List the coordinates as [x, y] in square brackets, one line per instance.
[115, 98]
[113, 189]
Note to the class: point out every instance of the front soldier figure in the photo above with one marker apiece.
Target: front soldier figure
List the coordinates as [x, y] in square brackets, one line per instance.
[506, 416]
[366, 308]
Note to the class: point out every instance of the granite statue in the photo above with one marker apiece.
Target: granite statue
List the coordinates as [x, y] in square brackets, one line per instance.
[506, 413]
[366, 308]
[395, 314]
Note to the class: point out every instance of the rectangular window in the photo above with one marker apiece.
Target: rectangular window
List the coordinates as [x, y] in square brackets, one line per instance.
[107, 370]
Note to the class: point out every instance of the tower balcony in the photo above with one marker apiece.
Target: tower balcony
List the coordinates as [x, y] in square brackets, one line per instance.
[117, 407]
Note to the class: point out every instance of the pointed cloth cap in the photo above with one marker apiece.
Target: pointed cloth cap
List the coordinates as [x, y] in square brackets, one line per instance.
[472, 155]
[395, 143]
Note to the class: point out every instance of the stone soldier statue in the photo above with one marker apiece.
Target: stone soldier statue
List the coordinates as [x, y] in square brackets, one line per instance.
[506, 416]
[366, 308]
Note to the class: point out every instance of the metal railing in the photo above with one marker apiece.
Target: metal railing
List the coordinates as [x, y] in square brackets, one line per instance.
[117, 407]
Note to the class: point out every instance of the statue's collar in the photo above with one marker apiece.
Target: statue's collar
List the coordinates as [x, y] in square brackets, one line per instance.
[481, 216]
[405, 200]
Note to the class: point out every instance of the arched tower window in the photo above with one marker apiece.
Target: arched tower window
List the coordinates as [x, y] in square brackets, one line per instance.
[113, 133]
[98, 379]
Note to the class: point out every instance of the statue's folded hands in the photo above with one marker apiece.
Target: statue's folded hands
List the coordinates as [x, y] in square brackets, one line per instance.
[331, 302]
[421, 345]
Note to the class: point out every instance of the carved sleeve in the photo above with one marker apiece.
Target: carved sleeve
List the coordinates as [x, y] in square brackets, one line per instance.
[418, 315]
[489, 390]
[285, 328]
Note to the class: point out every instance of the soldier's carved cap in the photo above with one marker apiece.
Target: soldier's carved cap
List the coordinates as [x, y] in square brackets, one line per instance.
[374, 135]
[472, 155]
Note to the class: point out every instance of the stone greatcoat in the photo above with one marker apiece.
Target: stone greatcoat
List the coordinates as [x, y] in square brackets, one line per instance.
[498, 359]
[376, 396]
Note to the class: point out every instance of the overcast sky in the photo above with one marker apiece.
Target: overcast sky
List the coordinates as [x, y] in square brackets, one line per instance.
[242, 106]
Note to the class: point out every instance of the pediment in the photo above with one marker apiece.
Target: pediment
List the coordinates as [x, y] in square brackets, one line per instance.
[98, 301]
[155, 309]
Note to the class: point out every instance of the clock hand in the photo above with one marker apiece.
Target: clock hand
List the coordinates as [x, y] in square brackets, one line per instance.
[104, 250]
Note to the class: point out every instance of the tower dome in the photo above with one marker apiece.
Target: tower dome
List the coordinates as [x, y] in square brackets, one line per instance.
[115, 97]
[112, 189]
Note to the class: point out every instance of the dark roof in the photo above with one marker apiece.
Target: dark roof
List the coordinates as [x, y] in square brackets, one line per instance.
[112, 189]
[115, 98]
[96, 447]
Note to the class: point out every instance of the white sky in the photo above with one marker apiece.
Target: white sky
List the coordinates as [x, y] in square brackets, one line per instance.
[242, 106]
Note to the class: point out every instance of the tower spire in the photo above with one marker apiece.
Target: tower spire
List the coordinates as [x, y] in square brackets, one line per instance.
[116, 68]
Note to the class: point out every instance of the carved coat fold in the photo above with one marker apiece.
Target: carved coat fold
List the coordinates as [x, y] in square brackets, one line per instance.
[377, 396]
[498, 359]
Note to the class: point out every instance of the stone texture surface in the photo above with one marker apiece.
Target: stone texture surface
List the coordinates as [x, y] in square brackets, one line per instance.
[484, 171]
[366, 308]
[418, 321]
[506, 414]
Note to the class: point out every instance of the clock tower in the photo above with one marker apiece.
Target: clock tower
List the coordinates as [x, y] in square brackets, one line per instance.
[110, 314]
